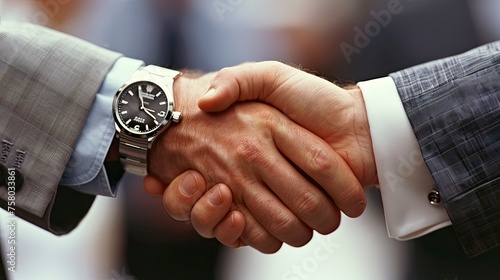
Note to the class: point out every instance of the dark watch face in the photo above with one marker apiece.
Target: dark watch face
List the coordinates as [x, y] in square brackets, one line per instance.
[142, 107]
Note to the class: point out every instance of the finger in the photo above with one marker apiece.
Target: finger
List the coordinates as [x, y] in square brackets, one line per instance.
[275, 216]
[230, 229]
[211, 209]
[154, 186]
[317, 159]
[256, 236]
[182, 194]
[304, 199]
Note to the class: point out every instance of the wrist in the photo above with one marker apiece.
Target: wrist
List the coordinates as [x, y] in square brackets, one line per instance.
[363, 136]
[172, 142]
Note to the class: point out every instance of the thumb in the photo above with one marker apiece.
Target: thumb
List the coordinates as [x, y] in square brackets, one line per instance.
[218, 99]
[249, 81]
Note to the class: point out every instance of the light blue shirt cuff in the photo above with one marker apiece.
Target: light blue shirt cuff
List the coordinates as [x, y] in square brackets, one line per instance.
[85, 171]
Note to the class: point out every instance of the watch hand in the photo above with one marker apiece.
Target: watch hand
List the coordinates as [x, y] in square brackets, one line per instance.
[140, 98]
[147, 112]
[151, 110]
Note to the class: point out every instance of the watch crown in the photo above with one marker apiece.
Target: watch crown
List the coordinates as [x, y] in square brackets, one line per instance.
[176, 116]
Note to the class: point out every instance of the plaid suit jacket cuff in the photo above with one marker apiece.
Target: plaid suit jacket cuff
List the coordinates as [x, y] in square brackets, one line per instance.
[404, 179]
[85, 171]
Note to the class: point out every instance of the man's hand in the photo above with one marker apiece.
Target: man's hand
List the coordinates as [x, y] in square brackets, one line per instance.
[262, 156]
[335, 114]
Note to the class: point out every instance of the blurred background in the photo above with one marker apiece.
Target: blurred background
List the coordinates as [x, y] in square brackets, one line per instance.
[346, 41]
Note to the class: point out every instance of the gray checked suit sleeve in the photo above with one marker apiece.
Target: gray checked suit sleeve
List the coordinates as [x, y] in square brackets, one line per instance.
[453, 105]
[48, 82]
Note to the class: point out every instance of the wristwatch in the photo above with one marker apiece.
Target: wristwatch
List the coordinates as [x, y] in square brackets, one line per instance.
[143, 107]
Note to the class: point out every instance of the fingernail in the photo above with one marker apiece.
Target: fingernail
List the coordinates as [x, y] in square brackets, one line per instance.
[210, 93]
[215, 197]
[189, 185]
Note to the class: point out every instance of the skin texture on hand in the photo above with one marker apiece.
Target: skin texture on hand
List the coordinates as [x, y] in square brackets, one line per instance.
[336, 114]
[261, 155]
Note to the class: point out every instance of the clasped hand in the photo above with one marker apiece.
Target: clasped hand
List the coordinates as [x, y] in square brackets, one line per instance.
[276, 169]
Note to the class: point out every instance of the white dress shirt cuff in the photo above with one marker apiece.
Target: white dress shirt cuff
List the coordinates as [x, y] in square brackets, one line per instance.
[404, 179]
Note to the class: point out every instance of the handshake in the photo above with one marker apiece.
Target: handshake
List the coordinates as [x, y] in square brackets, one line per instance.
[269, 154]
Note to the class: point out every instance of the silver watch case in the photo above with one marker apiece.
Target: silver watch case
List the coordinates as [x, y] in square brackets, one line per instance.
[166, 84]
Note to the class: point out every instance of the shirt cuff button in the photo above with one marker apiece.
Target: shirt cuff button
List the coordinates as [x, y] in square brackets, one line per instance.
[434, 197]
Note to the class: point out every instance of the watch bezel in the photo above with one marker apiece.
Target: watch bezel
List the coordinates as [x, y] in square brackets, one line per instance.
[165, 84]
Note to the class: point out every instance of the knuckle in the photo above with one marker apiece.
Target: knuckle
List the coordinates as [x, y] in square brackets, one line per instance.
[267, 115]
[224, 72]
[273, 64]
[227, 74]
[270, 120]
[283, 226]
[278, 68]
[310, 205]
[250, 151]
[257, 238]
[321, 162]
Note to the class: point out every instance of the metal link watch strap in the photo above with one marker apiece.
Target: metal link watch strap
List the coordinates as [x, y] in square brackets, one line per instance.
[134, 154]
[134, 151]
[161, 72]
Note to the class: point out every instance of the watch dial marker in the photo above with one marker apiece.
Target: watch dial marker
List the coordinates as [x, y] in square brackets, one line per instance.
[129, 120]
[159, 93]
[147, 127]
[124, 112]
[163, 103]
[124, 102]
[131, 93]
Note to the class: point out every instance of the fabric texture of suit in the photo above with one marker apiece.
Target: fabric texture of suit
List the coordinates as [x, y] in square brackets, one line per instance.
[48, 82]
[453, 105]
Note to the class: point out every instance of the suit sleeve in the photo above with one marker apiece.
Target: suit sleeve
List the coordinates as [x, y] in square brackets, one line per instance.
[48, 83]
[453, 106]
